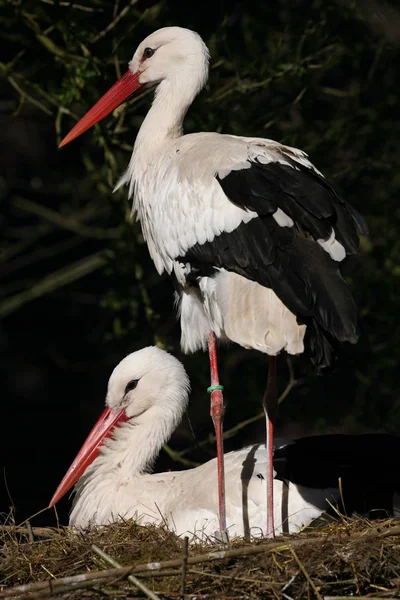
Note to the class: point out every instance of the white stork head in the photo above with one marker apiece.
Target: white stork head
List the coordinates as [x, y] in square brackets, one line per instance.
[172, 56]
[146, 379]
[149, 386]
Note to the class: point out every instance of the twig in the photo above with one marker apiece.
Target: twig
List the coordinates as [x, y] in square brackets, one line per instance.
[184, 564]
[177, 456]
[30, 532]
[166, 573]
[69, 222]
[269, 584]
[115, 21]
[305, 573]
[291, 383]
[54, 281]
[382, 534]
[25, 96]
[56, 50]
[73, 5]
[17, 248]
[44, 252]
[114, 563]
[42, 532]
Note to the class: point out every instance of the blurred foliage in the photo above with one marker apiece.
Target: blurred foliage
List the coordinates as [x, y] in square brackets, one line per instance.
[321, 75]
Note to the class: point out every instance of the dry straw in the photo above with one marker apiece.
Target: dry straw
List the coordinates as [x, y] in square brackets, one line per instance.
[350, 557]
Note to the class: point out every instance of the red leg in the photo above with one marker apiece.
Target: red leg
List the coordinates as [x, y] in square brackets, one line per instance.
[217, 415]
[270, 407]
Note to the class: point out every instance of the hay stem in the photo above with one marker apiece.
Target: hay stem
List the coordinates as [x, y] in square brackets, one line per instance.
[114, 563]
[342, 496]
[305, 573]
[48, 572]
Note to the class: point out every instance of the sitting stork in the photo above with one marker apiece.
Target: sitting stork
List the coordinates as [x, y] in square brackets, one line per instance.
[147, 395]
[146, 398]
[250, 231]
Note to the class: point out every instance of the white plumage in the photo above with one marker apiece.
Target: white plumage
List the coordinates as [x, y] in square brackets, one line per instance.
[180, 203]
[265, 323]
[117, 483]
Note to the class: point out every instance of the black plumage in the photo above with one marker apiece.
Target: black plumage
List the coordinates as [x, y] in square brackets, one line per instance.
[304, 195]
[368, 466]
[289, 260]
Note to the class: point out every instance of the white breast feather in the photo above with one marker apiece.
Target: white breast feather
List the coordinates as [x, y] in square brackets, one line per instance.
[180, 203]
[254, 316]
[187, 501]
[238, 310]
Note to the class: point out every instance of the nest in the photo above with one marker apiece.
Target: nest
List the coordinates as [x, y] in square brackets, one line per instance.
[350, 557]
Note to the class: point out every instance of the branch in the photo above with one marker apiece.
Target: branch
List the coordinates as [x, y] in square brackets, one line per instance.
[66, 222]
[73, 5]
[178, 456]
[56, 50]
[25, 96]
[54, 281]
[15, 249]
[28, 259]
[115, 21]
[42, 532]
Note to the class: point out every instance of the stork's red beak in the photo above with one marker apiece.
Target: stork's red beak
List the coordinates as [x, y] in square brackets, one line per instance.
[90, 449]
[119, 92]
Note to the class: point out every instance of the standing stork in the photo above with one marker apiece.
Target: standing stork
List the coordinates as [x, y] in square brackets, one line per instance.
[250, 231]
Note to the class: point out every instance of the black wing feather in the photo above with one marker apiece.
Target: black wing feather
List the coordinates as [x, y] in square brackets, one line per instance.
[299, 271]
[301, 193]
[288, 259]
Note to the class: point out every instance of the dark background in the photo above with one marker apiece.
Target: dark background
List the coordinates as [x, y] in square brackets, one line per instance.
[78, 290]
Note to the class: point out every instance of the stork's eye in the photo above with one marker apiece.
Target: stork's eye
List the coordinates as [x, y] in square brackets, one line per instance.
[131, 385]
[148, 53]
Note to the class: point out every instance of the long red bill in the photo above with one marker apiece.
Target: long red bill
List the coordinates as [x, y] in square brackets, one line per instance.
[90, 449]
[124, 87]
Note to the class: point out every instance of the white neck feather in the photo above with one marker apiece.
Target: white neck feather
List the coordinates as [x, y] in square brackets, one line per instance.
[164, 121]
[123, 458]
[135, 445]
[173, 96]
